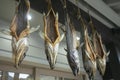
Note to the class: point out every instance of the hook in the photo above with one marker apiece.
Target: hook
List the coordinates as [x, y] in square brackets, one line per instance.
[91, 23]
[90, 17]
[49, 4]
[64, 3]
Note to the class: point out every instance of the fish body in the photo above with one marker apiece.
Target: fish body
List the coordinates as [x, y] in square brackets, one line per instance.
[51, 37]
[72, 51]
[101, 53]
[99, 50]
[88, 52]
[20, 25]
[89, 57]
[19, 31]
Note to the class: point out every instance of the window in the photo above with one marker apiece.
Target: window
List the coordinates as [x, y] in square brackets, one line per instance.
[14, 76]
[44, 77]
[68, 79]
[11, 75]
[25, 76]
[0, 74]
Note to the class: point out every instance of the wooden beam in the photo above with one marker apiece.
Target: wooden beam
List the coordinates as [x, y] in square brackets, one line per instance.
[110, 1]
[105, 10]
[12, 68]
[114, 4]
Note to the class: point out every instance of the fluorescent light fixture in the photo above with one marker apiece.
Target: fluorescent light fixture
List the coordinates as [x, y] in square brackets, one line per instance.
[23, 76]
[78, 38]
[11, 74]
[0, 74]
[29, 17]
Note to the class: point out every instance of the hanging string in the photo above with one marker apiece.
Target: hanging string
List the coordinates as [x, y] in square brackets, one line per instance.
[80, 17]
[64, 3]
[65, 11]
[91, 23]
[16, 4]
[78, 10]
[49, 4]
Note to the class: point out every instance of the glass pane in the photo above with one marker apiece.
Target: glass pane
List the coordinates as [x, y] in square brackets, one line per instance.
[68, 79]
[0, 74]
[25, 76]
[10, 75]
[43, 77]
[4, 75]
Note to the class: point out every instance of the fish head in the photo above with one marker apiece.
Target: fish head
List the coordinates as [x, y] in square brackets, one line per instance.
[101, 66]
[51, 53]
[90, 68]
[102, 63]
[91, 60]
[90, 64]
[73, 60]
[20, 50]
[24, 2]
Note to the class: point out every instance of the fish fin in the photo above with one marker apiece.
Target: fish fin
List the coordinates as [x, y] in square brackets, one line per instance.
[5, 31]
[42, 35]
[90, 38]
[63, 30]
[65, 49]
[34, 29]
[62, 36]
[87, 54]
[81, 45]
[13, 43]
[57, 15]
[108, 53]
[78, 44]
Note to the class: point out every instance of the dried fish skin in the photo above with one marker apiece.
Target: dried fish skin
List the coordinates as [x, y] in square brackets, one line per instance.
[20, 25]
[73, 60]
[51, 30]
[89, 48]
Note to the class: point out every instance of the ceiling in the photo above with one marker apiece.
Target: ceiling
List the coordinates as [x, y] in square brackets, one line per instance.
[98, 9]
[114, 4]
[106, 10]
[108, 14]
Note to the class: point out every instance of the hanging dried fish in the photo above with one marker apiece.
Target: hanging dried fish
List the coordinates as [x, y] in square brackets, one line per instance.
[101, 53]
[51, 36]
[19, 30]
[89, 55]
[72, 47]
[99, 49]
[72, 44]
